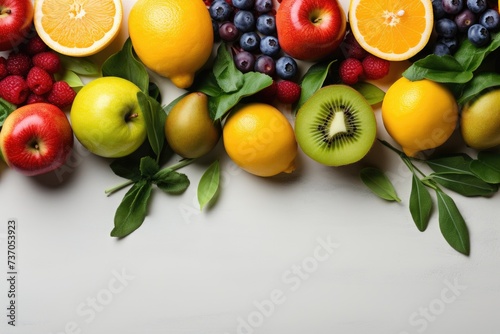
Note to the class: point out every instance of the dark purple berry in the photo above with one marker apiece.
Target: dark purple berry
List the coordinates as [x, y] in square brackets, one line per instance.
[446, 28]
[263, 6]
[478, 35]
[477, 6]
[465, 19]
[244, 61]
[228, 32]
[453, 6]
[265, 64]
[490, 19]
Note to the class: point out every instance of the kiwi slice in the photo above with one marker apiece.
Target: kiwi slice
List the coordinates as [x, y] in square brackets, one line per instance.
[336, 126]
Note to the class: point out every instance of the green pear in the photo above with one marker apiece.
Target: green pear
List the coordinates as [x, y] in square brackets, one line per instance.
[480, 121]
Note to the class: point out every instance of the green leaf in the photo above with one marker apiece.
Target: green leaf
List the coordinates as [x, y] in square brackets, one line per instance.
[209, 184]
[420, 203]
[132, 210]
[487, 167]
[379, 183]
[124, 64]
[127, 168]
[313, 80]
[253, 82]
[155, 121]
[171, 181]
[471, 56]
[70, 77]
[79, 65]
[371, 93]
[206, 82]
[148, 167]
[438, 68]
[452, 224]
[478, 84]
[459, 163]
[465, 184]
[228, 77]
[6, 109]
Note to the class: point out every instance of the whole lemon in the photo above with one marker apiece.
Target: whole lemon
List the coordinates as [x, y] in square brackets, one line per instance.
[173, 38]
[260, 140]
[419, 115]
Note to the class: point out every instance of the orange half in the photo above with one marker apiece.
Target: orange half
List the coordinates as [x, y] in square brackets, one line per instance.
[391, 29]
[78, 27]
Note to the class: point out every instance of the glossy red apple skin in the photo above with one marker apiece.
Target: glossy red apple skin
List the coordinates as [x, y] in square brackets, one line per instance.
[16, 17]
[310, 30]
[36, 139]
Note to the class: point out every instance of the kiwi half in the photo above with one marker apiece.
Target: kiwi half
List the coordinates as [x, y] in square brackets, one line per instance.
[336, 126]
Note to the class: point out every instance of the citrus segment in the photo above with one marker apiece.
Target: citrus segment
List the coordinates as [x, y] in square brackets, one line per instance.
[78, 27]
[391, 29]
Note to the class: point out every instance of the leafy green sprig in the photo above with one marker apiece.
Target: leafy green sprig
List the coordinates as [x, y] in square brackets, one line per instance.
[459, 173]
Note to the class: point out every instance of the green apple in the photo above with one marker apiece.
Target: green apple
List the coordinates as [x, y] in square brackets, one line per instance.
[480, 121]
[107, 119]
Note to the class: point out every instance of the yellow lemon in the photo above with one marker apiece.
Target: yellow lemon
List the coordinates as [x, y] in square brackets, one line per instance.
[173, 38]
[260, 140]
[419, 115]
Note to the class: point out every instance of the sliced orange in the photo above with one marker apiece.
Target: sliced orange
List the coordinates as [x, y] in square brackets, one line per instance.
[391, 29]
[78, 27]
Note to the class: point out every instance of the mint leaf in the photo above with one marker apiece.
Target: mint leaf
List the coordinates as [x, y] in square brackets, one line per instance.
[459, 163]
[464, 184]
[171, 181]
[6, 109]
[79, 65]
[487, 167]
[155, 121]
[379, 183]
[471, 57]
[124, 64]
[148, 167]
[70, 77]
[132, 210]
[312, 81]
[452, 224]
[228, 77]
[126, 167]
[444, 69]
[206, 82]
[420, 203]
[480, 82]
[370, 92]
[209, 184]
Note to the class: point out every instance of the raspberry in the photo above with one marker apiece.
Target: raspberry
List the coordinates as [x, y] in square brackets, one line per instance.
[351, 48]
[3, 68]
[39, 81]
[375, 68]
[350, 71]
[18, 64]
[14, 89]
[61, 95]
[288, 91]
[267, 94]
[35, 45]
[33, 98]
[47, 60]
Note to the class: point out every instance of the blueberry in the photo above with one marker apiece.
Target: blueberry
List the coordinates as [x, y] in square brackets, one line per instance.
[437, 9]
[220, 10]
[450, 42]
[441, 50]
[228, 32]
[490, 19]
[453, 6]
[243, 4]
[244, 21]
[478, 35]
[286, 67]
[263, 6]
[250, 41]
[465, 19]
[244, 61]
[446, 28]
[477, 6]
[265, 64]
[266, 24]
[270, 46]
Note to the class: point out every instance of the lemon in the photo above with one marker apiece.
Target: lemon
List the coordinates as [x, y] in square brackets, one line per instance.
[419, 115]
[173, 38]
[260, 140]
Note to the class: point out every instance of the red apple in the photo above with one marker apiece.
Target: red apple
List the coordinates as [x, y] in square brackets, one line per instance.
[16, 17]
[310, 29]
[36, 138]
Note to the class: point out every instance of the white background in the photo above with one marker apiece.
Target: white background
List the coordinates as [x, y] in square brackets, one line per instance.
[256, 262]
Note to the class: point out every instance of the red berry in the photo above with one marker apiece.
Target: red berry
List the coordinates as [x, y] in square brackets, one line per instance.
[18, 64]
[61, 95]
[39, 81]
[33, 98]
[288, 92]
[47, 60]
[3, 68]
[350, 71]
[351, 48]
[375, 68]
[35, 45]
[14, 89]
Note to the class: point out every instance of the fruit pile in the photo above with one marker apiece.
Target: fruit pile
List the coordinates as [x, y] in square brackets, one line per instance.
[474, 20]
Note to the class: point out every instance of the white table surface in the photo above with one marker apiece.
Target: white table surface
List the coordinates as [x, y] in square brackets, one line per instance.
[312, 252]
